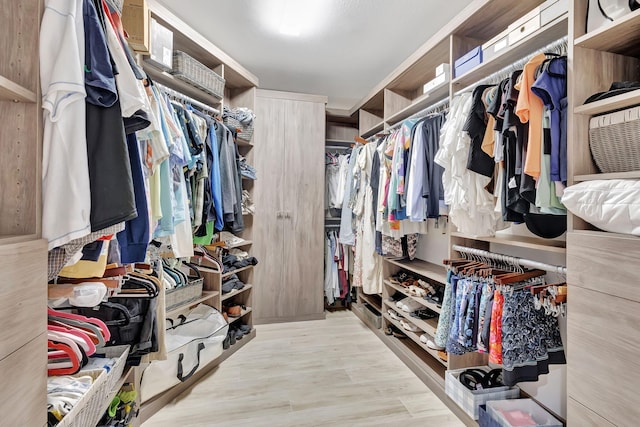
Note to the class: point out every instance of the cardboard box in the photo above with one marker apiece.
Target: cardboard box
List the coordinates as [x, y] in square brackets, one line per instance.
[135, 21]
[468, 61]
[495, 46]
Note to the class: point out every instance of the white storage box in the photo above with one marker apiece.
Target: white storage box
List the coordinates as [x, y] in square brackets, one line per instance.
[161, 45]
[470, 400]
[522, 413]
[524, 26]
[496, 45]
[443, 68]
[436, 83]
[552, 9]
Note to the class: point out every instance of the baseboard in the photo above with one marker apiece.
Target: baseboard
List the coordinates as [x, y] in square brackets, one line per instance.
[302, 318]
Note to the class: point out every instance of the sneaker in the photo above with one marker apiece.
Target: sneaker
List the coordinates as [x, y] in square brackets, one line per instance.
[424, 314]
[409, 305]
[393, 315]
[424, 339]
[432, 345]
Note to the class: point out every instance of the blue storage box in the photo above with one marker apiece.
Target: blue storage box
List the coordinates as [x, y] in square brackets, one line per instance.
[468, 61]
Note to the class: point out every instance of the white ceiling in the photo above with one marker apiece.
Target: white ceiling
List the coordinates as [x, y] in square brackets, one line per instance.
[344, 49]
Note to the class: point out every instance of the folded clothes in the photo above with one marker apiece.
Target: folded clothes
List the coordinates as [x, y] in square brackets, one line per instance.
[247, 170]
[232, 262]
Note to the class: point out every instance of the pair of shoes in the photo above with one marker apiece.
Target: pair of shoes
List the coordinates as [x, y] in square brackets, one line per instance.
[416, 291]
[426, 285]
[443, 355]
[394, 315]
[409, 326]
[424, 314]
[408, 305]
[397, 297]
[234, 310]
[392, 330]
[424, 338]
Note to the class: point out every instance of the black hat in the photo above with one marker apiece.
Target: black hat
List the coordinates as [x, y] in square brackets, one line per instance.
[546, 226]
[616, 88]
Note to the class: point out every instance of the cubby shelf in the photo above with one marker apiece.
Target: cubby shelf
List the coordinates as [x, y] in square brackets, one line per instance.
[11, 91]
[619, 36]
[624, 100]
[549, 245]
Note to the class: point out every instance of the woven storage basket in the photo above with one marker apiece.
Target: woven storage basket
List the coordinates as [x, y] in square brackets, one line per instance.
[191, 71]
[614, 140]
[244, 132]
[91, 407]
[179, 296]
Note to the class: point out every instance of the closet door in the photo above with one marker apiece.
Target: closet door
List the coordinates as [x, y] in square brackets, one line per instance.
[304, 219]
[268, 198]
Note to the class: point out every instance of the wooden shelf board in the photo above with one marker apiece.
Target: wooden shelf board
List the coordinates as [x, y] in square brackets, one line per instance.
[618, 175]
[10, 239]
[624, 100]
[150, 407]
[423, 268]
[371, 301]
[225, 275]
[168, 80]
[205, 296]
[427, 326]
[11, 91]
[419, 104]
[243, 142]
[235, 292]
[415, 337]
[620, 36]
[242, 314]
[548, 245]
[372, 131]
[431, 306]
[344, 142]
[536, 41]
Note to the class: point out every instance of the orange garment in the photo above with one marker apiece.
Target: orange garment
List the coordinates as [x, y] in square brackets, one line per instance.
[495, 336]
[529, 109]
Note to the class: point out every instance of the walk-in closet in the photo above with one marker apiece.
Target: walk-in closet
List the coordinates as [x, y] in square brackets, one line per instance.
[290, 213]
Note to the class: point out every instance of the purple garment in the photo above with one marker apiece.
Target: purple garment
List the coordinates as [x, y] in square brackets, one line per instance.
[551, 88]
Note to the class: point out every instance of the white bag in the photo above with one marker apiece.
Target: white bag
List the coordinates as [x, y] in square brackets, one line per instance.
[192, 342]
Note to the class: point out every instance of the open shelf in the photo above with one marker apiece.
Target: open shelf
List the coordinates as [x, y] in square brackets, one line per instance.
[548, 34]
[369, 299]
[620, 36]
[419, 104]
[10, 239]
[242, 314]
[168, 80]
[344, 142]
[431, 306]
[423, 268]
[427, 326]
[10, 91]
[617, 175]
[235, 292]
[624, 100]
[205, 296]
[415, 337]
[548, 245]
[236, 271]
[372, 131]
[243, 142]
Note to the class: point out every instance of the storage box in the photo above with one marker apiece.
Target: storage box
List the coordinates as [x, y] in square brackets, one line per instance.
[521, 409]
[496, 45]
[468, 61]
[552, 9]
[470, 400]
[161, 45]
[485, 419]
[135, 20]
[196, 74]
[614, 140]
[524, 26]
[439, 81]
[442, 69]
[373, 316]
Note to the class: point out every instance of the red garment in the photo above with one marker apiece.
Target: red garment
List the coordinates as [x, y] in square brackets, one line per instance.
[495, 337]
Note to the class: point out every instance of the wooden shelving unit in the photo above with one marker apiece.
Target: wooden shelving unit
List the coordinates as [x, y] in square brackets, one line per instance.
[618, 175]
[419, 104]
[624, 100]
[11, 91]
[236, 271]
[378, 127]
[243, 313]
[431, 306]
[619, 36]
[206, 295]
[547, 245]
[235, 292]
[241, 245]
[536, 41]
[415, 337]
[427, 326]
[422, 268]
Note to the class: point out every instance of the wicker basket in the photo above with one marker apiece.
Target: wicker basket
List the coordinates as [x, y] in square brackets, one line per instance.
[244, 132]
[179, 296]
[614, 140]
[91, 407]
[191, 71]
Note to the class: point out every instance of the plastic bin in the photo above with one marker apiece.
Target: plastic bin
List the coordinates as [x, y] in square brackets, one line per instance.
[511, 413]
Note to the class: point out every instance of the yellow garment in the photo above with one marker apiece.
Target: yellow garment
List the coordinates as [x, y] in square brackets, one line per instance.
[85, 269]
[529, 109]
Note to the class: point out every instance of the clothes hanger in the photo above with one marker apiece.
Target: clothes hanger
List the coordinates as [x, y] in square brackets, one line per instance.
[92, 331]
[81, 338]
[56, 365]
[518, 277]
[79, 319]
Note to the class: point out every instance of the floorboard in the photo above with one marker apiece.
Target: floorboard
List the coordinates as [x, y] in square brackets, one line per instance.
[332, 372]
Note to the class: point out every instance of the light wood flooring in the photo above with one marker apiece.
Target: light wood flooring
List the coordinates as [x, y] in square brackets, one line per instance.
[332, 372]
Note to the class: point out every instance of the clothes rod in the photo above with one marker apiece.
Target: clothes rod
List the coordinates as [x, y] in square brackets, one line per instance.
[422, 113]
[176, 94]
[558, 47]
[511, 259]
[336, 147]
